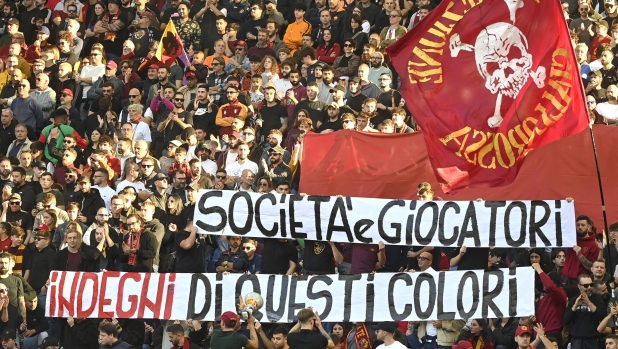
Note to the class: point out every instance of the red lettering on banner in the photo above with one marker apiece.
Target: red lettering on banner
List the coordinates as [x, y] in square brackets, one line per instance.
[132, 299]
[106, 301]
[63, 302]
[80, 301]
[52, 293]
[144, 303]
[169, 299]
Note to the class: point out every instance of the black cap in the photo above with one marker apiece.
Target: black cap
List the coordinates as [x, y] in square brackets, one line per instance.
[117, 2]
[8, 334]
[337, 88]
[48, 342]
[39, 164]
[160, 176]
[83, 179]
[388, 327]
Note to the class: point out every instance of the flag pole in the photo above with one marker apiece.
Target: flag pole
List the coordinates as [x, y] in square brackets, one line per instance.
[605, 226]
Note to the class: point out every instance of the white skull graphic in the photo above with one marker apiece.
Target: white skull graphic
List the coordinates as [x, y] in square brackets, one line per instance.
[502, 58]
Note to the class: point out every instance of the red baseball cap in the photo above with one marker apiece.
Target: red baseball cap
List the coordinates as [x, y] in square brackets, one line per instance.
[191, 75]
[68, 92]
[523, 329]
[154, 66]
[230, 318]
[242, 43]
[42, 227]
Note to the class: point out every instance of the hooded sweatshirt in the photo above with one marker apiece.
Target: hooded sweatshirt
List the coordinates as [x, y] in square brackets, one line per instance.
[572, 265]
[46, 99]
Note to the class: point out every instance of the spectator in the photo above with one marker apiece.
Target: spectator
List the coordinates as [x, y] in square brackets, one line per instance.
[138, 247]
[584, 313]
[580, 258]
[303, 334]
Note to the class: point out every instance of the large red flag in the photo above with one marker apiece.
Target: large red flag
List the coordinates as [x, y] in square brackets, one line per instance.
[488, 81]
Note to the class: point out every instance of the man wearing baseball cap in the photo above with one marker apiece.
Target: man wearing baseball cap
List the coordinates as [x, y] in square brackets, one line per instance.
[523, 336]
[385, 332]
[227, 337]
[9, 339]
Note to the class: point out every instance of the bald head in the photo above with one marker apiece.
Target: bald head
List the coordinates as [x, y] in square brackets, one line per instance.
[424, 260]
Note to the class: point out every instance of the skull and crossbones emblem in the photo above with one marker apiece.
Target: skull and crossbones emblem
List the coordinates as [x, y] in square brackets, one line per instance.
[502, 59]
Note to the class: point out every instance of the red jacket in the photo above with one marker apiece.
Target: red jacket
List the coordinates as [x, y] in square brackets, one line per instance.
[328, 55]
[572, 265]
[550, 310]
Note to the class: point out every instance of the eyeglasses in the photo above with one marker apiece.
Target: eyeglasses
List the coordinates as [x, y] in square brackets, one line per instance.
[147, 166]
[586, 285]
[221, 177]
[2, 290]
[39, 239]
[102, 215]
[248, 134]
[421, 258]
[394, 16]
[69, 175]
[14, 203]
[240, 48]
[231, 92]
[179, 99]
[67, 141]
[591, 102]
[133, 96]
[107, 91]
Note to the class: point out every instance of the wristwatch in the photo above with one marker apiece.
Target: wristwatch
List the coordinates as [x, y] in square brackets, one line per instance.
[224, 264]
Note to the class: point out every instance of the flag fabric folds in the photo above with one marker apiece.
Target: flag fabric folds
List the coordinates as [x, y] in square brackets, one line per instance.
[487, 82]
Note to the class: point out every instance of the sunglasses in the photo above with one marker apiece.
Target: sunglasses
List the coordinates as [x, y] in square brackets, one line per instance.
[15, 203]
[240, 48]
[133, 96]
[23, 86]
[221, 177]
[586, 285]
[247, 248]
[231, 92]
[39, 239]
[216, 64]
[179, 99]
[147, 166]
[347, 45]
[69, 176]
[64, 95]
[421, 258]
[72, 11]
[3, 290]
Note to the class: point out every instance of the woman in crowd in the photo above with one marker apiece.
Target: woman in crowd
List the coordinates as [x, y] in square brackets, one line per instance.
[94, 142]
[357, 31]
[173, 221]
[328, 50]
[270, 69]
[479, 335]
[292, 136]
[265, 185]
[347, 64]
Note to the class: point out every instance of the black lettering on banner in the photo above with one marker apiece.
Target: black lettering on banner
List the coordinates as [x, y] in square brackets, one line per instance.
[317, 200]
[361, 226]
[218, 295]
[475, 294]
[535, 227]
[410, 223]
[293, 223]
[322, 294]
[488, 296]
[214, 209]
[426, 240]
[371, 296]
[339, 208]
[195, 279]
[494, 205]
[522, 224]
[424, 277]
[292, 305]
[512, 292]
[558, 219]
[283, 232]
[258, 218]
[407, 310]
[236, 229]
[397, 226]
[271, 313]
[347, 298]
[441, 314]
[255, 284]
[441, 236]
[470, 218]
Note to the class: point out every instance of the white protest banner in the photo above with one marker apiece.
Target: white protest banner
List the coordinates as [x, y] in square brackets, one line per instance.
[548, 223]
[362, 297]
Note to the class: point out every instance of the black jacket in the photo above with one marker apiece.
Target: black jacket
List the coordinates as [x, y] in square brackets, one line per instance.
[61, 259]
[583, 321]
[41, 267]
[90, 202]
[158, 230]
[28, 196]
[132, 332]
[119, 344]
[145, 254]
[83, 335]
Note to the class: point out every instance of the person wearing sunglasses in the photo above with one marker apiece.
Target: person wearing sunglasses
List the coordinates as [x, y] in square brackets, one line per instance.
[27, 110]
[15, 215]
[249, 246]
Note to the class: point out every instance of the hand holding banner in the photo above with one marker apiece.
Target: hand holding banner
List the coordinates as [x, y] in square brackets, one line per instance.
[396, 222]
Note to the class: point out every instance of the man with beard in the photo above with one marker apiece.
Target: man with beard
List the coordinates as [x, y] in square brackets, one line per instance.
[584, 313]
[240, 59]
[131, 175]
[272, 115]
[294, 95]
[580, 258]
[337, 94]
[609, 110]
[62, 175]
[5, 173]
[139, 247]
[272, 27]
[187, 29]
[203, 110]
[189, 91]
[234, 170]
[327, 83]
[203, 153]
[610, 76]
[153, 225]
[177, 120]
[377, 68]
[15, 284]
[387, 100]
[284, 84]
[14, 215]
[234, 108]
[277, 169]
[233, 260]
[312, 104]
[22, 188]
[217, 79]
[107, 86]
[90, 201]
[261, 48]
[163, 74]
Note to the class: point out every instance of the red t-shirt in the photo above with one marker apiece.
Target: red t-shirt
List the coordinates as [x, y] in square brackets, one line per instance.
[364, 258]
[5, 246]
[74, 260]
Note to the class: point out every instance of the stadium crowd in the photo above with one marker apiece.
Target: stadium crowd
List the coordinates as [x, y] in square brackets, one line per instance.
[105, 148]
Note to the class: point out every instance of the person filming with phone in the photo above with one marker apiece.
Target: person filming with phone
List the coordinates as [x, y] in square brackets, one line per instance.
[583, 315]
